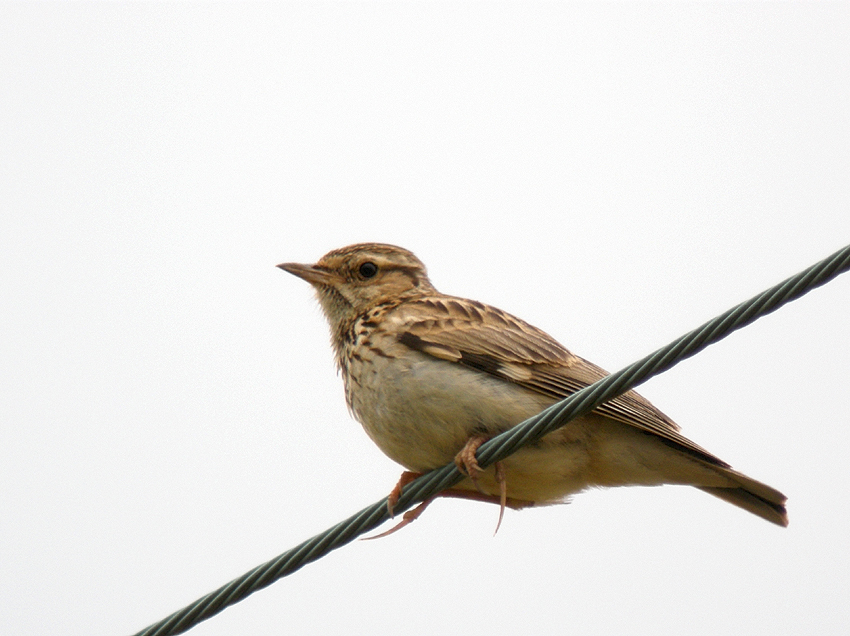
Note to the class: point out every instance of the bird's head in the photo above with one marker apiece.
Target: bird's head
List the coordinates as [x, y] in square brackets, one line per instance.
[352, 279]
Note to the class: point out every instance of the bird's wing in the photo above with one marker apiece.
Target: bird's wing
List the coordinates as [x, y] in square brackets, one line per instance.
[495, 342]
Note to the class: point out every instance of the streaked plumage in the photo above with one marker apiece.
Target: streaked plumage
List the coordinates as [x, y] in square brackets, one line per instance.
[424, 372]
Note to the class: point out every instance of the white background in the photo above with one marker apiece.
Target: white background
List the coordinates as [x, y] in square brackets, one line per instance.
[615, 174]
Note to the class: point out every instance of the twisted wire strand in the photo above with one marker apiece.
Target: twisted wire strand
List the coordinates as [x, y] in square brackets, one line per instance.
[503, 445]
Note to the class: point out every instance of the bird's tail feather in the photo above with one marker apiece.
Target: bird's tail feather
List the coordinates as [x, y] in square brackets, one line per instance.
[753, 496]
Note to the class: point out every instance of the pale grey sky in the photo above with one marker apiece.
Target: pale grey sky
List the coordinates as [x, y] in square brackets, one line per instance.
[615, 174]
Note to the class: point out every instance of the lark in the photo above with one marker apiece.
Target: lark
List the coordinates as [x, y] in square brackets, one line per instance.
[431, 377]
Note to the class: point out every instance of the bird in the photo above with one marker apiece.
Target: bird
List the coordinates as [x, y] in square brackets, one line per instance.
[430, 377]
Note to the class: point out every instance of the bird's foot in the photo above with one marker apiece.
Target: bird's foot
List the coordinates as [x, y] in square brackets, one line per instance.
[412, 515]
[407, 518]
[406, 477]
[467, 464]
[503, 493]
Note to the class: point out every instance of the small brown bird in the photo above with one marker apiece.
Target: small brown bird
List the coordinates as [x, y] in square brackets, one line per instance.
[431, 377]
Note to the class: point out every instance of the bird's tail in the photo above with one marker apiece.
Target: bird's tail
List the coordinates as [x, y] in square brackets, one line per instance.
[753, 496]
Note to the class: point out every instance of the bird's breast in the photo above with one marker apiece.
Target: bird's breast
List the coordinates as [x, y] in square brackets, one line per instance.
[421, 410]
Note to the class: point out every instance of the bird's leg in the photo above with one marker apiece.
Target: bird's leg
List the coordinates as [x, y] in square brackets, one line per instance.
[467, 464]
[408, 517]
[406, 477]
[412, 515]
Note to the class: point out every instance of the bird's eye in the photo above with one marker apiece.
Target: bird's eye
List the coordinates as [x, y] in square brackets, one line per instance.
[368, 269]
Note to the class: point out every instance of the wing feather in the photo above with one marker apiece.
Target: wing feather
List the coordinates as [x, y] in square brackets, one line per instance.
[495, 342]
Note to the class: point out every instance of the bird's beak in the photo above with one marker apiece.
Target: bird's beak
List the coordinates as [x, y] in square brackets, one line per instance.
[310, 273]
